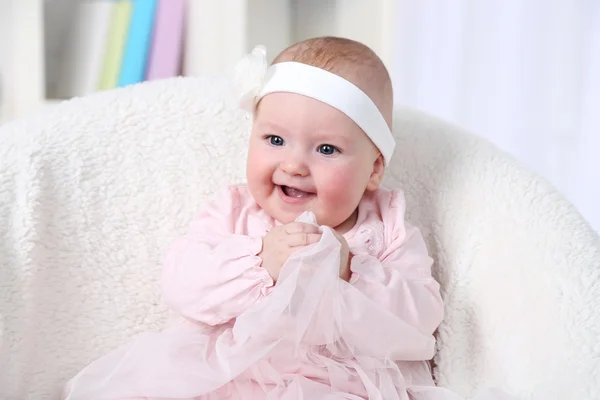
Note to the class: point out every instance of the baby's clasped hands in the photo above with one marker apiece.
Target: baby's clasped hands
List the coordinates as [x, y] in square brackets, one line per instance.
[284, 240]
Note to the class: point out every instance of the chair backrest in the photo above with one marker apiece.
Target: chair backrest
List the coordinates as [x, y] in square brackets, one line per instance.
[94, 189]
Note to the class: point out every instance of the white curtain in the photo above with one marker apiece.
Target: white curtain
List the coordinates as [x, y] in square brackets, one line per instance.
[525, 74]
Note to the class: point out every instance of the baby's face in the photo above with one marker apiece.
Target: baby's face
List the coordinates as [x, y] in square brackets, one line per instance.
[306, 155]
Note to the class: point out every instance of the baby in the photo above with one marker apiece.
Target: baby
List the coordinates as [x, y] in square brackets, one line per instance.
[306, 283]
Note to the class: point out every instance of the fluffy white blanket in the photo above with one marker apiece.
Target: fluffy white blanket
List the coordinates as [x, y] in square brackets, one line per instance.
[93, 190]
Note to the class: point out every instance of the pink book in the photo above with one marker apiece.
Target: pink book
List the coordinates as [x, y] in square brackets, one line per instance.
[167, 40]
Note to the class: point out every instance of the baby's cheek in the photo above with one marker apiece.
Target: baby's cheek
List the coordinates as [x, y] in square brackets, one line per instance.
[259, 165]
[339, 185]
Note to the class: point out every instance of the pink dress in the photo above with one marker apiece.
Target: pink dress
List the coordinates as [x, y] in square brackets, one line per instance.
[310, 336]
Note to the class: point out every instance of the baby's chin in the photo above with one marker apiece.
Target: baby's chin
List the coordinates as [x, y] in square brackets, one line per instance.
[286, 218]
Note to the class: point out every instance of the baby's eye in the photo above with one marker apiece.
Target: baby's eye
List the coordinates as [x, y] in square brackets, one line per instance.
[275, 140]
[327, 149]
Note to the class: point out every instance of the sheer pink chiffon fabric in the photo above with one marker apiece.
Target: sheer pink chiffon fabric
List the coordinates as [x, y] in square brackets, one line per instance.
[310, 336]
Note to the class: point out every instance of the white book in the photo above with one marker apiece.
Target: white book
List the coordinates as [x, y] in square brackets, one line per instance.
[82, 59]
[269, 23]
[202, 38]
[234, 33]
[22, 73]
[220, 32]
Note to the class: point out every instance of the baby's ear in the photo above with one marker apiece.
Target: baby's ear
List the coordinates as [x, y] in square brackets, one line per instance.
[377, 174]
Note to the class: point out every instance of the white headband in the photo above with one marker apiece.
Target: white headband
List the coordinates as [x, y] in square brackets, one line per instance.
[329, 88]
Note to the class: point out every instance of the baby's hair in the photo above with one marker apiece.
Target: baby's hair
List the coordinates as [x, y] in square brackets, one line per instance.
[352, 61]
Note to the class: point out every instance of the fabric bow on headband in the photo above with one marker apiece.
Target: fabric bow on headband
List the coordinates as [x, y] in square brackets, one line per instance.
[248, 76]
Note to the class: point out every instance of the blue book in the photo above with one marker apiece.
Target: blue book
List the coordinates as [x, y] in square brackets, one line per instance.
[139, 38]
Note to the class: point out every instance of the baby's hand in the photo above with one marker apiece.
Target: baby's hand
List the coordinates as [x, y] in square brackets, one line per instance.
[282, 241]
[344, 258]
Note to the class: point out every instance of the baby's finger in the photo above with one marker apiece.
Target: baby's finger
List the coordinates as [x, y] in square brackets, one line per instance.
[303, 239]
[298, 227]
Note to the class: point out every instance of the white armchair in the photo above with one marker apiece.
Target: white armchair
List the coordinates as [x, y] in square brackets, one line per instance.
[94, 189]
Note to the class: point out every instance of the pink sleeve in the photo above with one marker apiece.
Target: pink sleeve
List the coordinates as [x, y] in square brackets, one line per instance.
[400, 279]
[213, 274]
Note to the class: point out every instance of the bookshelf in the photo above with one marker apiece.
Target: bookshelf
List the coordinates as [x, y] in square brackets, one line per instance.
[33, 34]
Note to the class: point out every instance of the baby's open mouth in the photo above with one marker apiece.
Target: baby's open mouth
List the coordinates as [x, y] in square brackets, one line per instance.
[293, 192]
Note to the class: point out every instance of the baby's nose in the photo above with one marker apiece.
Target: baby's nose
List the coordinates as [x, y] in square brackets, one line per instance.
[294, 166]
